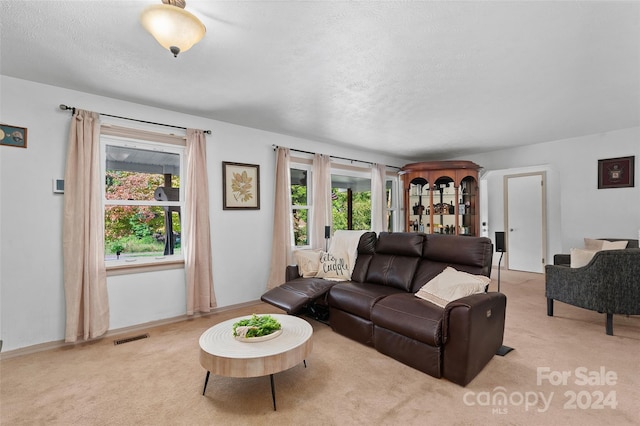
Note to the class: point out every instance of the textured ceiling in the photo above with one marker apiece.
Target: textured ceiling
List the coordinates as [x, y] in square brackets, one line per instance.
[420, 80]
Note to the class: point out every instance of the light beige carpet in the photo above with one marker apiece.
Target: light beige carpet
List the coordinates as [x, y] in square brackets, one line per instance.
[158, 381]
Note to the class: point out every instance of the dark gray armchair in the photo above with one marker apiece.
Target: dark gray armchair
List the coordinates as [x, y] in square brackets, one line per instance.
[609, 284]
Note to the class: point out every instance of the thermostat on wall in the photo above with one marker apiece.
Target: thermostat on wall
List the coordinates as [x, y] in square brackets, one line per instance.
[58, 186]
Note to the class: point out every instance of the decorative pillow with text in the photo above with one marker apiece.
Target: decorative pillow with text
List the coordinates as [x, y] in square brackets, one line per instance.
[334, 267]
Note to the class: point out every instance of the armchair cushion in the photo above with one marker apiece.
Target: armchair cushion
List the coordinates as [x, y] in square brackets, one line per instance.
[581, 257]
[593, 244]
[614, 245]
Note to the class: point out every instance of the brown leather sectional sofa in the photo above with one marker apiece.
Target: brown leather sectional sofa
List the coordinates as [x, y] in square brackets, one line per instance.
[378, 307]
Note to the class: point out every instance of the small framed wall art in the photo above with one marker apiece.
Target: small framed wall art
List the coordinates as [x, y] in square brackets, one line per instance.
[240, 186]
[13, 136]
[616, 172]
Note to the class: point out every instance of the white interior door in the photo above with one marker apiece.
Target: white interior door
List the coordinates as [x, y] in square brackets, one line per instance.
[525, 222]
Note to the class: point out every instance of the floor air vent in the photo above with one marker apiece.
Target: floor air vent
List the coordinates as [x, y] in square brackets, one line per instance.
[130, 339]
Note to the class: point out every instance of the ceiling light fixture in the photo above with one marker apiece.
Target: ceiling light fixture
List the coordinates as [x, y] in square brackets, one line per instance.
[173, 27]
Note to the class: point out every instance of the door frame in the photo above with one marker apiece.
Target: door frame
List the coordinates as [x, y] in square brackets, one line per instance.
[505, 186]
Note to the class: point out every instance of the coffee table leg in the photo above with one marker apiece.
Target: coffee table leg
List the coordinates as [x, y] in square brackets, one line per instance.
[206, 380]
[273, 393]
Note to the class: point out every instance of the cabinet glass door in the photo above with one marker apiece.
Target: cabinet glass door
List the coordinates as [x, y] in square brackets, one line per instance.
[419, 205]
[444, 205]
[467, 203]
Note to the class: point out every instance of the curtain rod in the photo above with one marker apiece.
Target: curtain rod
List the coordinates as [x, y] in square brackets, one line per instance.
[333, 156]
[73, 111]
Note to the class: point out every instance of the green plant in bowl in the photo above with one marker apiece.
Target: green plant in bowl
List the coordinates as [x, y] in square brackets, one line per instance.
[258, 325]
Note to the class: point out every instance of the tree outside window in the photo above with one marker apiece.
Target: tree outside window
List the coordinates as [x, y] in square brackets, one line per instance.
[142, 201]
[300, 206]
[351, 202]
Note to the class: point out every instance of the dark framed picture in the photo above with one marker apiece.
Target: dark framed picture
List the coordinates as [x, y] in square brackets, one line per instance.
[616, 172]
[240, 186]
[13, 136]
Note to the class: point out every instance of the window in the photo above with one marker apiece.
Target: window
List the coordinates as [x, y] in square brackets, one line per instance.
[351, 200]
[391, 201]
[300, 177]
[143, 198]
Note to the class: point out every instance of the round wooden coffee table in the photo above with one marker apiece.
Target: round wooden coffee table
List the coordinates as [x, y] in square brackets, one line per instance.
[222, 354]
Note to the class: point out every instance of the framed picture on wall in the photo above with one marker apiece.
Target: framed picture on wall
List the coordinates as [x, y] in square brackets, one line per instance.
[13, 136]
[616, 172]
[240, 186]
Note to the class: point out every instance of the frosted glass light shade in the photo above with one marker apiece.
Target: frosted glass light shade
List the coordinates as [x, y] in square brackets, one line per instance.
[174, 28]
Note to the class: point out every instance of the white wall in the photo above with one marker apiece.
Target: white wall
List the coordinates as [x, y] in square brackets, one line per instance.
[576, 208]
[32, 306]
[31, 278]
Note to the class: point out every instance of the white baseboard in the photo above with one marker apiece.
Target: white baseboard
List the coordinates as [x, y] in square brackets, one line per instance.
[120, 331]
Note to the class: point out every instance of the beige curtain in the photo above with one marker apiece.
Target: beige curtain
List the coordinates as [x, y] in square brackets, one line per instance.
[321, 199]
[85, 278]
[197, 248]
[378, 198]
[282, 239]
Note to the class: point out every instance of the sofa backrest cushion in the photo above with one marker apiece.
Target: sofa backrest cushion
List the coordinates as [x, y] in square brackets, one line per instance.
[366, 248]
[469, 254]
[395, 260]
[471, 251]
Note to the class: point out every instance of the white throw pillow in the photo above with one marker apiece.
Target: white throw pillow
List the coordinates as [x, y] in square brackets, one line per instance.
[581, 257]
[593, 244]
[614, 245]
[308, 262]
[334, 267]
[450, 285]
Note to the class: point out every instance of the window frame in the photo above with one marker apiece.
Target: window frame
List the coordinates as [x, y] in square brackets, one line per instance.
[351, 171]
[347, 170]
[308, 207]
[131, 138]
[394, 209]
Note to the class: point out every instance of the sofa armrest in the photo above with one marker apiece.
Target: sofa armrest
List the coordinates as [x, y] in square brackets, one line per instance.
[473, 330]
[562, 259]
[291, 273]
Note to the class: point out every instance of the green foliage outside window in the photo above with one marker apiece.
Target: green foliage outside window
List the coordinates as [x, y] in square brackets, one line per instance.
[300, 216]
[135, 229]
[361, 210]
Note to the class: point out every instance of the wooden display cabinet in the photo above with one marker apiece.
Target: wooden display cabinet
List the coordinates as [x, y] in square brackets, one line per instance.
[441, 197]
